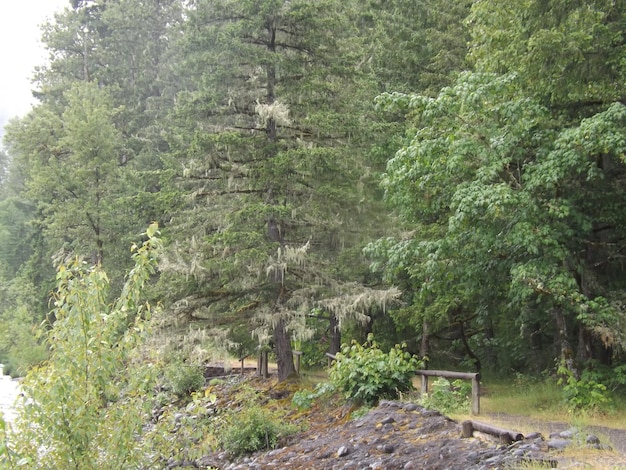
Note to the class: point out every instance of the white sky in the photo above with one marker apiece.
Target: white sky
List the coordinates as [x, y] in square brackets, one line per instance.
[21, 51]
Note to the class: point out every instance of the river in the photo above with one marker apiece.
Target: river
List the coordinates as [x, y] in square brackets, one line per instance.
[9, 390]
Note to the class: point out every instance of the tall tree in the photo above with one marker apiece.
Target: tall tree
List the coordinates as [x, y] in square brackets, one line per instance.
[269, 146]
[570, 56]
[520, 164]
[73, 178]
[416, 47]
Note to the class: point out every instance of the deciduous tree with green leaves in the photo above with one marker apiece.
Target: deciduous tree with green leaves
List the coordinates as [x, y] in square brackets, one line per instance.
[513, 189]
[84, 407]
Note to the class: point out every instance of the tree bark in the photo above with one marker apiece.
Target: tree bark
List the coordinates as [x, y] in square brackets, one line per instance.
[335, 335]
[567, 354]
[282, 340]
[468, 350]
[284, 354]
[425, 344]
[584, 351]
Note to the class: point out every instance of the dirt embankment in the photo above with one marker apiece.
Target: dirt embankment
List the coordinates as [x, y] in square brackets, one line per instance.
[398, 435]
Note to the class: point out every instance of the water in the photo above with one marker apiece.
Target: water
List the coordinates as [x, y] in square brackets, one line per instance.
[9, 390]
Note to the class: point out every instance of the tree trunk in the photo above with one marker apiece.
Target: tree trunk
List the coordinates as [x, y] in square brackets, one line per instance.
[284, 354]
[282, 340]
[425, 344]
[584, 351]
[468, 350]
[536, 348]
[567, 354]
[335, 335]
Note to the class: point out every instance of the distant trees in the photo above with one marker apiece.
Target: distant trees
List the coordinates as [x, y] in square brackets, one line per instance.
[84, 170]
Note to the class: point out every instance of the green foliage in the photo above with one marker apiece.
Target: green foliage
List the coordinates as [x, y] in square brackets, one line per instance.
[183, 379]
[251, 429]
[19, 341]
[584, 393]
[366, 374]
[84, 406]
[303, 399]
[9, 458]
[279, 194]
[487, 168]
[565, 52]
[448, 397]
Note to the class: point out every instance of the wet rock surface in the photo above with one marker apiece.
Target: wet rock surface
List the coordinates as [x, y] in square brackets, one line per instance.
[394, 435]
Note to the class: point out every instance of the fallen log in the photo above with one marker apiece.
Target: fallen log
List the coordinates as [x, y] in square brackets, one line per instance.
[506, 436]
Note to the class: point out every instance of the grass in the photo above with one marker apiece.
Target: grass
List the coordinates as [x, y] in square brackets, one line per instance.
[529, 398]
[542, 400]
[528, 405]
[534, 399]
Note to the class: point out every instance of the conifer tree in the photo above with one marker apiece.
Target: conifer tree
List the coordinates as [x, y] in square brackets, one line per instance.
[269, 147]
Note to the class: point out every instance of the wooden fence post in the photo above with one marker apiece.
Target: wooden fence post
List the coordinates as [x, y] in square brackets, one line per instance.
[265, 366]
[298, 354]
[476, 394]
[331, 358]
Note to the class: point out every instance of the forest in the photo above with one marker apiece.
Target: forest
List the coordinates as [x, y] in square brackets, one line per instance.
[444, 174]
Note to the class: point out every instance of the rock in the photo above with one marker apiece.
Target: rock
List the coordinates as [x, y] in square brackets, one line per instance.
[343, 451]
[388, 448]
[569, 433]
[417, 439]
[558, 444]
[387, 428]
[182, 463]
[592, 440]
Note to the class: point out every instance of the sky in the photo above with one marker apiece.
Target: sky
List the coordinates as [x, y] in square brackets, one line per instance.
[21, 51]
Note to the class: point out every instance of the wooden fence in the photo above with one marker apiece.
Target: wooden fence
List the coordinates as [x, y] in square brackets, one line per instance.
[473, 376]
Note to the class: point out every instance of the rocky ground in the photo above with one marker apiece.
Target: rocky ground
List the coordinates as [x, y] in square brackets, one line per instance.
[399, 435]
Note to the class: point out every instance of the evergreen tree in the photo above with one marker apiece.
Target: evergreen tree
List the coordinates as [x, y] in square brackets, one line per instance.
[270, 152]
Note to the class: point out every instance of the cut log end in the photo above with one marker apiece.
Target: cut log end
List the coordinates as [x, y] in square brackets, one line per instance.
[505, 436]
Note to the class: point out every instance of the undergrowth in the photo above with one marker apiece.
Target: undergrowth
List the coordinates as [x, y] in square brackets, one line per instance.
[543, 399]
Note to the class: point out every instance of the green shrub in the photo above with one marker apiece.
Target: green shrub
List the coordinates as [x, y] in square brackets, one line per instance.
[365, 374]
[584, 393]
[252, 429]
[303, 399]
[184, 379]
[448, 397]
